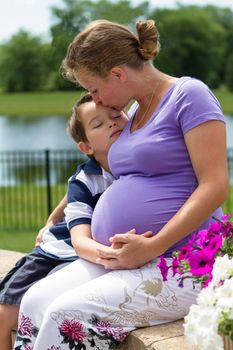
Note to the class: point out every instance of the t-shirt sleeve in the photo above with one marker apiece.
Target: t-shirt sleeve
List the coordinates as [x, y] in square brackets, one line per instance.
[196, 104]
[80, 204]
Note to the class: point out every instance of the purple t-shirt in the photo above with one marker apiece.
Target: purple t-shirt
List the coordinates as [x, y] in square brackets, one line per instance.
[152, 167]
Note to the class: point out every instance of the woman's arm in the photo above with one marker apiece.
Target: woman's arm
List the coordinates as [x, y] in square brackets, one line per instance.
[206, 145]
[56, 216]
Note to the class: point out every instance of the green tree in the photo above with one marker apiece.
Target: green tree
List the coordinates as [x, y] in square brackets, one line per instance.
[192, 43]
[75, 15]
[22, 63]
[229, 73]
[224, 17]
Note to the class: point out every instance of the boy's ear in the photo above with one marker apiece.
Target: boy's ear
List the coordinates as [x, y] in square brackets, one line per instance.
[85, 147]
[119, 72]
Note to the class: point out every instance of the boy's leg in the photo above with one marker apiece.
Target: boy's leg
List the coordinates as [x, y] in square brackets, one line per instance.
[8, 321]
[27, 271]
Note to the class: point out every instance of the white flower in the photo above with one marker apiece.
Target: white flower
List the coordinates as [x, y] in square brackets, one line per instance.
[222, 269]
[207, 296]
[212, 341]
[199, 325]
[224, 295]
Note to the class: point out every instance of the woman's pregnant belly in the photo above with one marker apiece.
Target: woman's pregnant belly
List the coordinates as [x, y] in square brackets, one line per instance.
[137, 202]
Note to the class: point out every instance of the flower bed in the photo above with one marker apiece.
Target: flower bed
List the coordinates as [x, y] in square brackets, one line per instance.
[208, 260]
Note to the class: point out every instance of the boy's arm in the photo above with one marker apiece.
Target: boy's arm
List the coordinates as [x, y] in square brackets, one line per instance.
[83, 243]
[55, 217]
[86, 247]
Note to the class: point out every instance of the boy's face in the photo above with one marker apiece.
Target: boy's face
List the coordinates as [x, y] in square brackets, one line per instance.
[102, 126]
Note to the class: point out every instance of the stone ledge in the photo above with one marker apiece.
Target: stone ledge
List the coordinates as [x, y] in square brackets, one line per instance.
[167, 336]
[7, 260]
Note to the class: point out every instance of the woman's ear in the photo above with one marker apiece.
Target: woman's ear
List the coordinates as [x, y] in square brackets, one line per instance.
[119, 72]
[85, 147]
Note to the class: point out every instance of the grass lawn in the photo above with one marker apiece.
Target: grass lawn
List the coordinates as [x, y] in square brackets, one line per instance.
[60, 103]
[17, 240]
[38, 103]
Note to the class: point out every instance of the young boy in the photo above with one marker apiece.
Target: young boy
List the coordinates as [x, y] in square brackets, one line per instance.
[94, 128]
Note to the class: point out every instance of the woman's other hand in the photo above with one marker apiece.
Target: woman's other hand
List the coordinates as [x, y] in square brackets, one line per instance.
[128, 251]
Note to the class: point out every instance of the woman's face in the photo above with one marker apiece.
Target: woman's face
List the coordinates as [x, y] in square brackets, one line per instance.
[110, 92]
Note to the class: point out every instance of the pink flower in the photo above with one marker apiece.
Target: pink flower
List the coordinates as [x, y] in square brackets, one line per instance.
[214, 244]
[226, 217]
[25, 325]
[163, 268]
[74, 329]
[201, 263]
[208, 280]
[184, 252]
[196, 259]
[175, 266]
[116, 333]
[202, 237]
[215, 227]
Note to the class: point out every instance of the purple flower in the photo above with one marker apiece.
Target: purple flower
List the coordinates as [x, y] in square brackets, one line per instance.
[54, 348]
[201, 263]
[116, 333]
[25, 325]
[28, 347]
[163, 268]
[74, 329]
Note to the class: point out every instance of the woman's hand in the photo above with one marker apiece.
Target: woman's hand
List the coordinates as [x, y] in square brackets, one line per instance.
[128, 251]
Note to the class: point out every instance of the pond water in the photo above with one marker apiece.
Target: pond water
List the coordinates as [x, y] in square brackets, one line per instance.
[22, 133]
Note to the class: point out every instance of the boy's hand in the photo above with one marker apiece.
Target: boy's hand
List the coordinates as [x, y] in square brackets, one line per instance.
[39, 237]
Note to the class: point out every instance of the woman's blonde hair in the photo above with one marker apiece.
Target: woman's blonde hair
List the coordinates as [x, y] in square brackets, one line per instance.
[104, 45]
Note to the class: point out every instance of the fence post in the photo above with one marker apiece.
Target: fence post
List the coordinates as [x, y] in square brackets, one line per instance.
[48, 182]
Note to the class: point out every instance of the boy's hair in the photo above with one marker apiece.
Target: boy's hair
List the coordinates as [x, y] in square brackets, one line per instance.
[75, 123]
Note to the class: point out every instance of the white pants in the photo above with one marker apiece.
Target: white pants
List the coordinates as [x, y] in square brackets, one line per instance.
[84, 306]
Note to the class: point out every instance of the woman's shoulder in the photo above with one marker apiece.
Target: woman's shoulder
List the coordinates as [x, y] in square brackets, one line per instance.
[191, 85]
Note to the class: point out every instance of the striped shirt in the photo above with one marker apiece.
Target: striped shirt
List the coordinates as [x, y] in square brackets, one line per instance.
[84, 189]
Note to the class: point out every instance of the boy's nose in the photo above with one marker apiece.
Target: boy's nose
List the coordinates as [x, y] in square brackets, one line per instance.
[111, 124]
[96, 99]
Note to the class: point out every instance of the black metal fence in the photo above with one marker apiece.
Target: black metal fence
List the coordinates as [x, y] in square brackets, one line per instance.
[33, 182]
[31, 185]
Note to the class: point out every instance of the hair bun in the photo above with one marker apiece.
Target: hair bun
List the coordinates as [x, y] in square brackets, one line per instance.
[148, 37]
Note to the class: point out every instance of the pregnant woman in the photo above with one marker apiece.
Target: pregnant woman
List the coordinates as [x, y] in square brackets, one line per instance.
[171, 176]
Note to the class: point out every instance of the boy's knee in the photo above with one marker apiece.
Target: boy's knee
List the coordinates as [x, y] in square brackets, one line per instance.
[8, 315]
